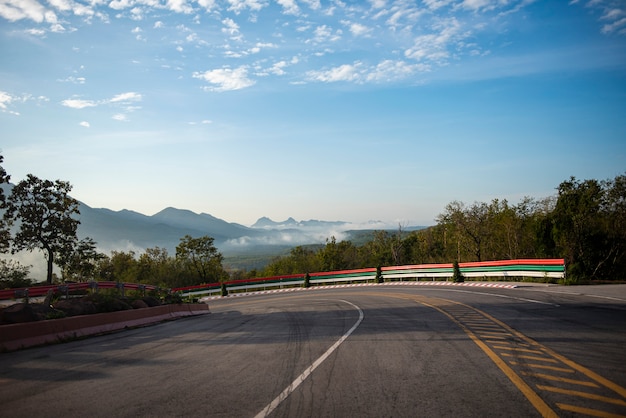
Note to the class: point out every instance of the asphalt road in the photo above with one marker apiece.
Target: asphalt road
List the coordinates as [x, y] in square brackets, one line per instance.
[356, 352]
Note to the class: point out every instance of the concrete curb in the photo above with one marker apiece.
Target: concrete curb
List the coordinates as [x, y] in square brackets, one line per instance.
[29, 334]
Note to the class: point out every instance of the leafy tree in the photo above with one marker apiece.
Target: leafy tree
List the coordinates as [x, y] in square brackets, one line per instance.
[201, 259]
[5, 235]
[44, 211]
[155, 266]
[13, 274]
[82, 263]
[119, 267]
[589, 227]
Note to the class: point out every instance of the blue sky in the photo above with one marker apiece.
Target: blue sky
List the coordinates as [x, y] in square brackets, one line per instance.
[336, 110]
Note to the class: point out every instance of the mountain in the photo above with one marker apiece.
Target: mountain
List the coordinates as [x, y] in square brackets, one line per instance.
[267, 223]
[126, 230]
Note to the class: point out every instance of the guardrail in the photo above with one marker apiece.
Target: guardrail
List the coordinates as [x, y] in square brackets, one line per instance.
[36, 291]
[524, 268]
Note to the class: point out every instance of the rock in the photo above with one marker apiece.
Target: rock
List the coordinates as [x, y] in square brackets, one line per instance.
[76, 306]
[26, 312]
[151, 301]
[138, 304]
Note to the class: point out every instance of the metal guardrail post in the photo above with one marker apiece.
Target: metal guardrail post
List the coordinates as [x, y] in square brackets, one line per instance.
[93, 286]
[21, 293]
[64, 289]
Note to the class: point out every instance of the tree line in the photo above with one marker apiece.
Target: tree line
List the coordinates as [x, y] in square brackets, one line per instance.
[584, 223]
[40, 214]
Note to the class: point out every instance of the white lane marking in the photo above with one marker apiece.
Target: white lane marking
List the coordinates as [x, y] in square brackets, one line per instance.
[565, 292]
[285, 393]
[503, 296]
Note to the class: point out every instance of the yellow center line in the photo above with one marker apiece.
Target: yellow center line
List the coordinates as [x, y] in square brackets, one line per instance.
[526, 390]
[548, 360]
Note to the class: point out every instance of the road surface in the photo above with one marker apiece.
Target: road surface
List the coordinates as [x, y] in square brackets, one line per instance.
[381, 351]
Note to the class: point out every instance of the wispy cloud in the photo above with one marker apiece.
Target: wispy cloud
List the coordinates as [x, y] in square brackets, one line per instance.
[123, 100]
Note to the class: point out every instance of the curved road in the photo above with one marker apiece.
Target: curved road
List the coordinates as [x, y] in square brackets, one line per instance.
[375, 351]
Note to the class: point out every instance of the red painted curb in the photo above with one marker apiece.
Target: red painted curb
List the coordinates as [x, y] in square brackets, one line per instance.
[16, 336]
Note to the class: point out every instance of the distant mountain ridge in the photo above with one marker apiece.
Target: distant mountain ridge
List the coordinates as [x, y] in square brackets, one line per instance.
[127, 230]
[265, 222]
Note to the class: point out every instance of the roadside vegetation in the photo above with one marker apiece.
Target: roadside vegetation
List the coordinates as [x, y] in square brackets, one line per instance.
[584, 223]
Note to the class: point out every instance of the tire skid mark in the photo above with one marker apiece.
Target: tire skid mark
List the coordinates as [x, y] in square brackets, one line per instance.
[553, 384]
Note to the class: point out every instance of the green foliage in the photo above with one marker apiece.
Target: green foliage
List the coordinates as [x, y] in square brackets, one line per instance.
[200, 260]
[589, 228]
[13, 274]
[5, 234]
[81, 263]
[457, 276]
[44, 212]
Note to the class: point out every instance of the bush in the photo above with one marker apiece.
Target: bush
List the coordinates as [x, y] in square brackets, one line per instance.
[457, 277]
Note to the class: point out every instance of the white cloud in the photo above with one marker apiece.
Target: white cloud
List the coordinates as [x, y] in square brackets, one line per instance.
[225, 79]
[618, 26]
[238, 6]
[359, 30]
[14, 10]
[120, 4]
[5, 100]
[157, 25]
[290, 7]
[325, 33]
[207, 4]
[74, 80]
[435, 47]
[313, 4]
[126, 97]
[179, 6]
[389, 70]
[120, 117]
[346, 72]
[78, 103]
[85, 124]
[231, 28]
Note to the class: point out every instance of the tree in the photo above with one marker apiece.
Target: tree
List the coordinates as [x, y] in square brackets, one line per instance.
[13, 274]
[157, 267]
[589, 222]
[5, 234]
[81, 264]
[201, 259]
[44, 212]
